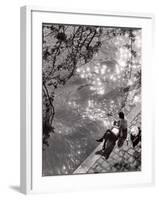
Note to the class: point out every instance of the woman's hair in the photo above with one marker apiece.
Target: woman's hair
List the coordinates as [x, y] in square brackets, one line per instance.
[121, 115]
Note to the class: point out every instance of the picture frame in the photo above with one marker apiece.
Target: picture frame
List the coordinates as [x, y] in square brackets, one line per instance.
[32, 181]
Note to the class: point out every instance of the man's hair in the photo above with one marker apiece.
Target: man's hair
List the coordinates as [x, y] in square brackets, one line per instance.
[121, 115]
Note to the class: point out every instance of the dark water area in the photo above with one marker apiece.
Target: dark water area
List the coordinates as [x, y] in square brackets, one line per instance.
[75, 132]
[67, 152]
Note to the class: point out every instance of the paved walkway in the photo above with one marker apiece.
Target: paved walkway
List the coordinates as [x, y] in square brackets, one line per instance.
[124, 159]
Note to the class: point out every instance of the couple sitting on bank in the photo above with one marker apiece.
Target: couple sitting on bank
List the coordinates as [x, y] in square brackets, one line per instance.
[118, 133]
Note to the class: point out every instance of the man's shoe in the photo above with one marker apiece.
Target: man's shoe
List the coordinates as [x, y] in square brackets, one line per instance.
[100, 140]
[106, 157]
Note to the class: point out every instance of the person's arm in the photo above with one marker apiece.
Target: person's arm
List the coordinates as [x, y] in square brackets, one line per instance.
[120, 132]
[120, 129]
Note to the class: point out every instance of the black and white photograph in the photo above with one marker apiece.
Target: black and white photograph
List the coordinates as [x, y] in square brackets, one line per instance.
[91, 99]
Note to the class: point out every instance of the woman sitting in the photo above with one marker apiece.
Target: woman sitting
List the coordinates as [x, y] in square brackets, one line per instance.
[117, 132]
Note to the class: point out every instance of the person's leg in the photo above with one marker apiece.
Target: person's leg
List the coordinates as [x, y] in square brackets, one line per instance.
[103, 148]
[104, 137]
[122, 139]
[121, 142]
[109, 148]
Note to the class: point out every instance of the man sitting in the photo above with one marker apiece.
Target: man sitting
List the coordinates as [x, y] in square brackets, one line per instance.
[118, 132]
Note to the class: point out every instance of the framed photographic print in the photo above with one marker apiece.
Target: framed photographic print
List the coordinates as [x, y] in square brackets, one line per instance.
[86, 100]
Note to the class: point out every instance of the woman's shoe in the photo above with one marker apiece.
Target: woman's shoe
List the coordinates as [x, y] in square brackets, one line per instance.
[106, 157]
[100, 140]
